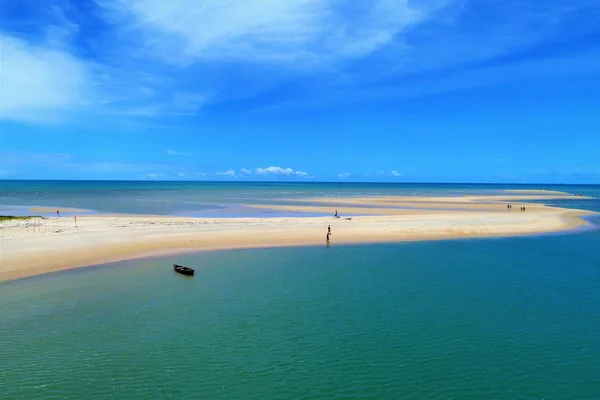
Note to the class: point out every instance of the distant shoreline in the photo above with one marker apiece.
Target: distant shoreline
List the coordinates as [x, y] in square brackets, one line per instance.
[58, 244]
[277, 182]
[242, 209]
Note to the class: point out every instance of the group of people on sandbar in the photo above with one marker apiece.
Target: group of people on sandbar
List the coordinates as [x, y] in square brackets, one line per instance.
[509, 206]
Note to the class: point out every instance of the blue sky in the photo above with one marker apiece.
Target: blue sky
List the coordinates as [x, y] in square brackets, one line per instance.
[326, 90]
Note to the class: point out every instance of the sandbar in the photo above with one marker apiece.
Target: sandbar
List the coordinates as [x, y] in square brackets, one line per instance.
[40, 246]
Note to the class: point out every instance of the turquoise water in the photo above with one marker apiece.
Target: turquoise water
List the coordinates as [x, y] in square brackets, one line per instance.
[513, 318]
[221, 199]
[472, 319]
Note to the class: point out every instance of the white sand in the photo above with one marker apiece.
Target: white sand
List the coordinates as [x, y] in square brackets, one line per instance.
[57, 244]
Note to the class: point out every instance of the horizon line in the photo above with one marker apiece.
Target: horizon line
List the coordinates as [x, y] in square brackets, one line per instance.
[297, 182]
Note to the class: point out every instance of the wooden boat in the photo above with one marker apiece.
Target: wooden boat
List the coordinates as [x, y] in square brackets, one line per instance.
[183, 270]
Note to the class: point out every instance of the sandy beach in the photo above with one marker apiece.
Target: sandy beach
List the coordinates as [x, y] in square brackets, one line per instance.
[30, 247]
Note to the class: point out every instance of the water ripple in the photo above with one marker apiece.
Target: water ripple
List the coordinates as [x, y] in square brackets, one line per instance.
[343, 323]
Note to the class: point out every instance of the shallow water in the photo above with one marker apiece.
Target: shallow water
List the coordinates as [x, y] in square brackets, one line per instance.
[470, 319]
[219, 198]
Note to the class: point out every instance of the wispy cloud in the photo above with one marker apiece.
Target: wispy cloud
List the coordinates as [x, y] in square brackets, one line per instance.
[64, 162]
[32, 163]
[179, 153]
[393, 173]
[156, 58]
[309, 31]
[116, 167]
[229, 173]
[17, 159]
[563, 172]
[343, 175]
[187, 103]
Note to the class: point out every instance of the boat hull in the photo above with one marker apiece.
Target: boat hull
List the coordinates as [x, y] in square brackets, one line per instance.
[183, 270]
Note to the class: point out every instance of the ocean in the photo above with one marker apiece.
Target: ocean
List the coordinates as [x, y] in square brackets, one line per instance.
[503, 318]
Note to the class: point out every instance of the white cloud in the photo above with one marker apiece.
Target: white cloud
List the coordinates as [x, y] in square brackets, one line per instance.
[31, 163]
[229, 173]
[263, 30]
[45, 83]
[390, 173]
[44, 79]
[39, 83]
[343, 175]
[280, 171]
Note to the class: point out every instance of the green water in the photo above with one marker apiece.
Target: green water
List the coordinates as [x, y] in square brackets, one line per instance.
[514, 318]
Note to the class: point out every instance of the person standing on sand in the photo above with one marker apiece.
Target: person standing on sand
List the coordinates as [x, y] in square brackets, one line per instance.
[336, 214]
[58, 213]
[329, 230]
[75, 218]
